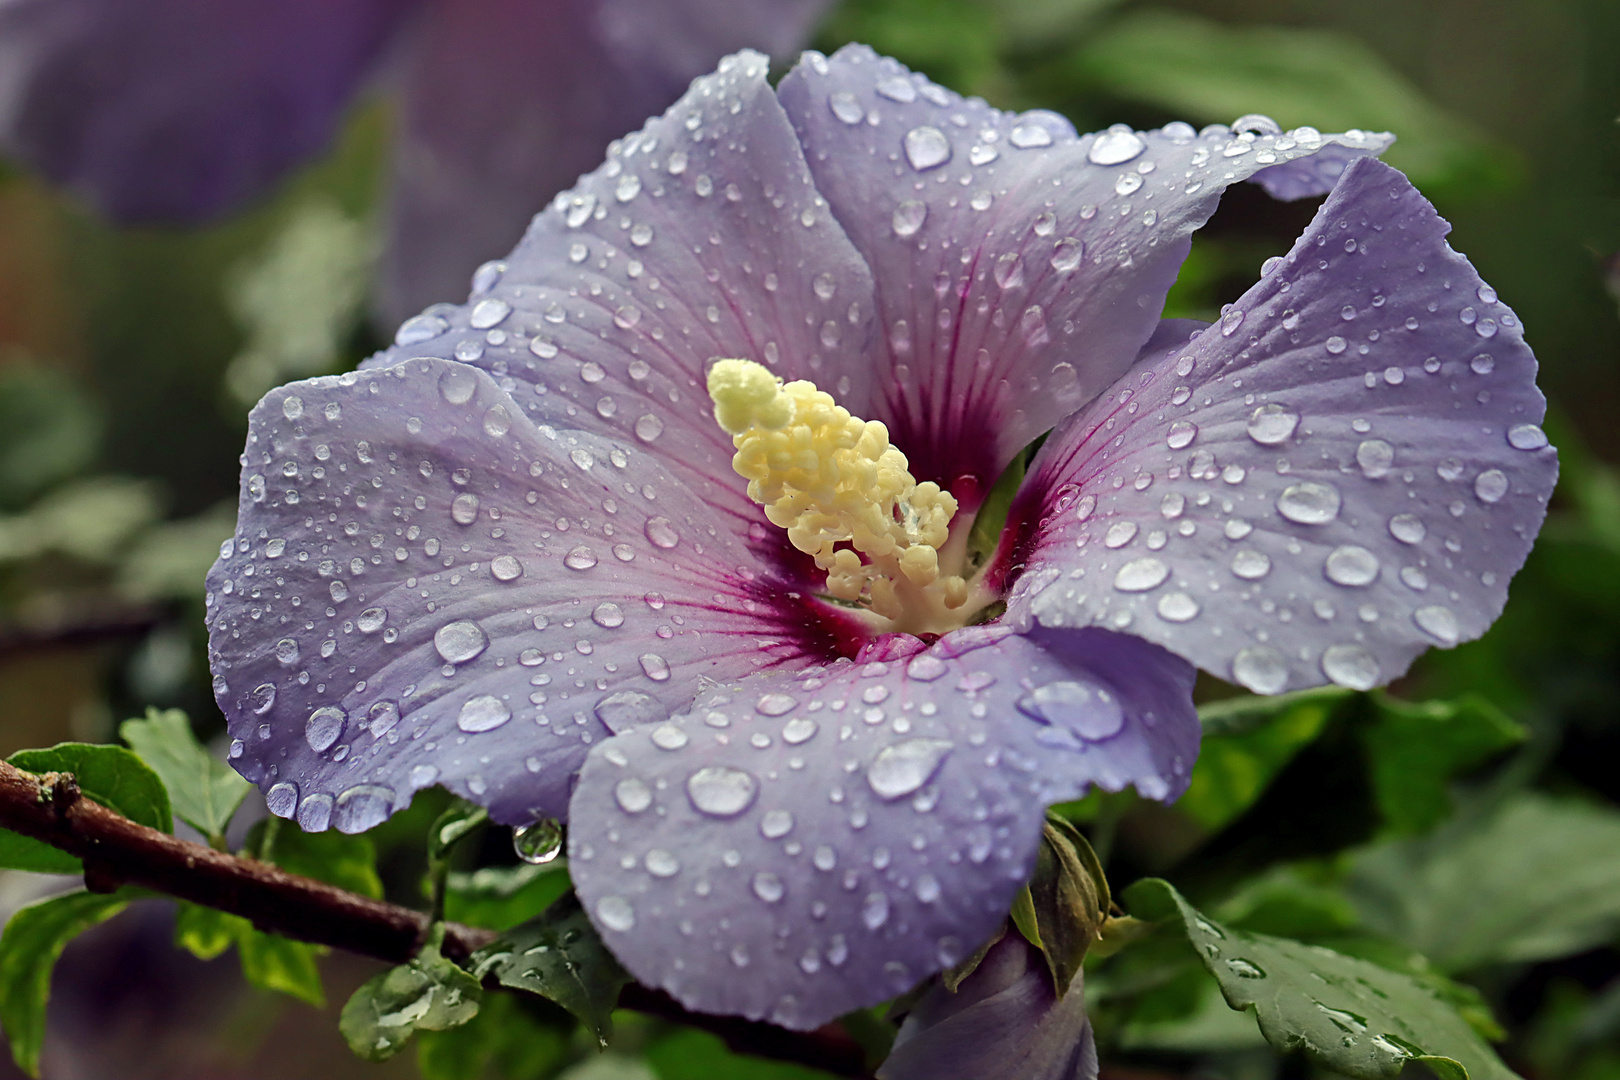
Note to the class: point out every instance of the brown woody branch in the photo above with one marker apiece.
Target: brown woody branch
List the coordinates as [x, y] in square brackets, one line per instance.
[117, 851]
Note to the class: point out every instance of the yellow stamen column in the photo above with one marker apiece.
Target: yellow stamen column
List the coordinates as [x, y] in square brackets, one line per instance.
[830, 478]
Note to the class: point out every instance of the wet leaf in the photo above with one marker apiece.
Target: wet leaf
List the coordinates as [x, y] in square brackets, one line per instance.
[560, 957]
[428, 994]
[501, 897]
[29, 948]
[203, 790]
[273, 962]
[1348, 1015]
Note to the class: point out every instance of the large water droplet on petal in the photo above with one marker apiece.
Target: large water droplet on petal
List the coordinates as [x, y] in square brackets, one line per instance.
[909, 217]
[1438, 621]
[904, 767]
[459, 642]
[363, 807]
[538, 842]
[1351, 565]
[720, 791]
[1141, 575]
[927, 148]
[1115, 148]
[483, 713]
[1309, 503]
[1271, 425]
[1260, 668]
[615, 913]
[323, 727]
[1090, 712]
[1350, 665]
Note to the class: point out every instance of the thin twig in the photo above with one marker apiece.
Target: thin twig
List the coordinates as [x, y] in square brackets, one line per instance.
[117, 851]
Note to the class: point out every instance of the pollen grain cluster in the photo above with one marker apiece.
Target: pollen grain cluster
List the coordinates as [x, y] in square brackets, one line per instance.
[845, 496]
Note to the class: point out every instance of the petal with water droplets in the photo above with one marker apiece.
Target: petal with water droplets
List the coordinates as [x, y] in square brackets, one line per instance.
[915, 788]
[1383, 517]
[974, 363]
[455, 602]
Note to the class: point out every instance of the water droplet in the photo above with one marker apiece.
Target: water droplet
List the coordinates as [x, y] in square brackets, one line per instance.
[1091, 713]
[1029, 136]
[1250, 565]
[263, 698]
[464, 509]
[1273, 424]
[1491, 485]
[1336, 345]
[909, 217]
[1141, 575]
[1439, 622]
[774, 704]
[486, 712]
[459, 642]
[1119, 534]
[371, 620]
[1177, 607]
[1351, 666]
[1526, 437]
[1309, 503]
[315, 813]
[1245, 969]
[419, 328]
[1181, 434]
[904, 767]
[538, 842]
[339, 591]
[615, 913]
[1351, 565]
[1407, 528]
[458, 385]
[662, 533]
[720, 791]
[927, 148]
[505, 568]
[846, 108]
[1115, 148]
[580, 558]
[661, 864]
[1009, 271]
[1231, 322]
[292, 407]
[381, 718]
[768, 887]
[323, 727]
[632, 795]
[1066, 254]
[282, 799]
[655, 667]
[798, 730]
[1376, 457]
[287, 651]
[898, 88]
[1260, 668]
[488, 312]
[362, 807]
[497, 421]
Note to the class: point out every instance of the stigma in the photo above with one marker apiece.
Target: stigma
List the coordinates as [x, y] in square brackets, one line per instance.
[846, 498]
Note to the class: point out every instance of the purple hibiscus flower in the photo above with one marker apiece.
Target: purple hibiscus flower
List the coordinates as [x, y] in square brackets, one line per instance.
[511, 555]
[162, 111]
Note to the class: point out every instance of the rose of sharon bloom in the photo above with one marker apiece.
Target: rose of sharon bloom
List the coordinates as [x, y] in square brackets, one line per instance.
[181, 110]
[512, 554]
[1004, 1022]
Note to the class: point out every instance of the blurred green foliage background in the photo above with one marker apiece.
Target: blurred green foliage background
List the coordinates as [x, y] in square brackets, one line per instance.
[129, 358]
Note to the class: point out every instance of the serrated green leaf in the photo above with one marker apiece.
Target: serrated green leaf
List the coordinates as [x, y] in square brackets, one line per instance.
[505, 1040]
[207, 932]
[1534, 878]
[1415, 749]
[1205, 71]
[1247, 742]
[430, 994]
[110, 775]
[273, 962]
[29, 947]
[1348, 1015]
[574, 969]
[203, 791]
[349, 862]
[501, 897]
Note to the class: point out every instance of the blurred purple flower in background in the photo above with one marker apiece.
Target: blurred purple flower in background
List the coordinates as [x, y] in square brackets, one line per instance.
[175, 111]
[511, 556]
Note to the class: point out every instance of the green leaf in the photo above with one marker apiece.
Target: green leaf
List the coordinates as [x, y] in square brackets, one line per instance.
[430, 993]
[505, 1040]
[207, 932]
[501, 897]
[1069, 897]
[574, 969]
[1204, 71]
[204, 791]
[110, 775]
[349, 862]
[1534, 878]
[1415, 749]
[1348, 1015]
[273, 962]
[1247, 741]
[29, 948]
